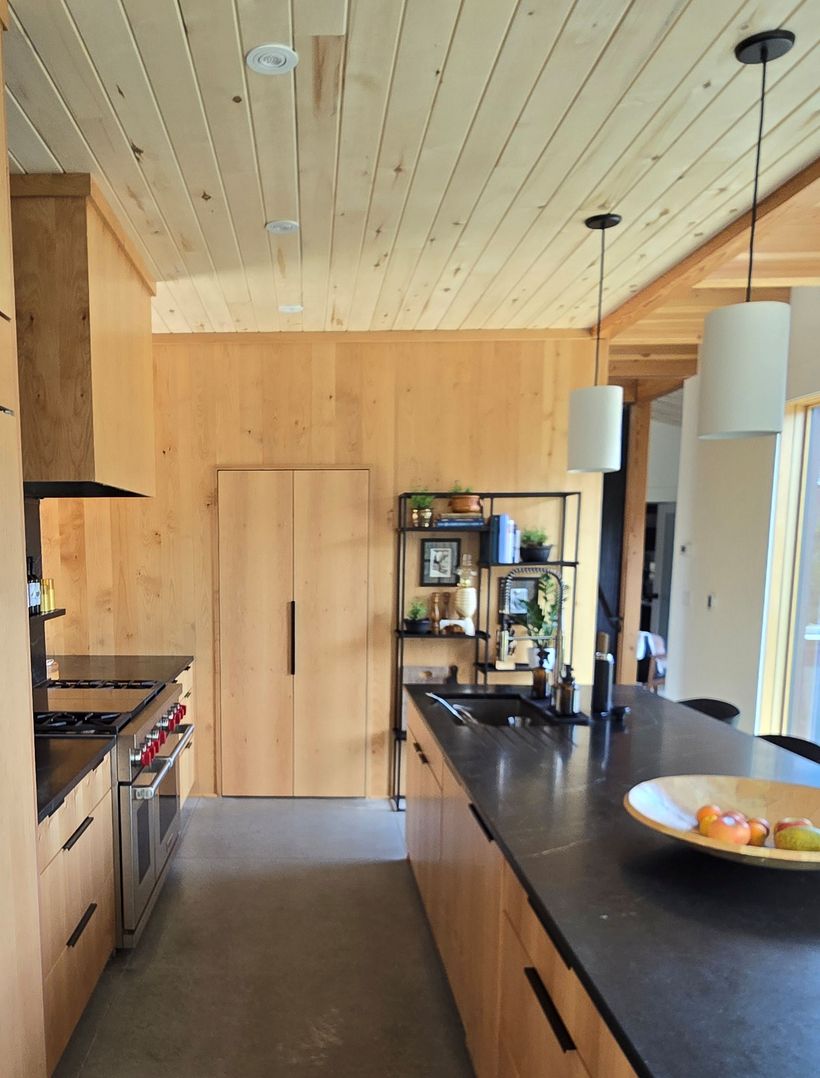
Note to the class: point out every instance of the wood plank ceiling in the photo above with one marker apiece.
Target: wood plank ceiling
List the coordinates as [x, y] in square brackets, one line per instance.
[440, 155]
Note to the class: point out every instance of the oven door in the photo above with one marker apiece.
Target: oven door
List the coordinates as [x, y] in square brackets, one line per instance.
[168, 793]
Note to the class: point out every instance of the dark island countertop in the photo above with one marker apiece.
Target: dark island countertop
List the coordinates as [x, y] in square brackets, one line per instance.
[123, 667]
[61, 762]
[700, 966]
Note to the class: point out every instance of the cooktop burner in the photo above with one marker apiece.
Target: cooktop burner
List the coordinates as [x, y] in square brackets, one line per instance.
[79, 722]
[103, 683]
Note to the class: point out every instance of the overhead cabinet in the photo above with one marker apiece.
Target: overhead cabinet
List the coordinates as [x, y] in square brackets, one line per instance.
[293, 631]
[83, 305]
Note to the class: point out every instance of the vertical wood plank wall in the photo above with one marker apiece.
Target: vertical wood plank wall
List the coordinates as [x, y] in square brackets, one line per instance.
[140, 575]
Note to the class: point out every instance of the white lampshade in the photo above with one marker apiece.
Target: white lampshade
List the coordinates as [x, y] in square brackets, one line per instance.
[743, 364]
[595, 416]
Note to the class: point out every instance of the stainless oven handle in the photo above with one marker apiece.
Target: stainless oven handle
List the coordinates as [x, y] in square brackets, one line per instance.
[145, 793]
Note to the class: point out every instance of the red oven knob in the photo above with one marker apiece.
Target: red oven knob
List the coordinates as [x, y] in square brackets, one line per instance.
[163, 737]
[145, 755]
[183, 709]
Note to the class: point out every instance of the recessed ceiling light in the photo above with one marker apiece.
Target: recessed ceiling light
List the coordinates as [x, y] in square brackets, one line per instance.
[282, 228]
[291, 308]
[272, 59]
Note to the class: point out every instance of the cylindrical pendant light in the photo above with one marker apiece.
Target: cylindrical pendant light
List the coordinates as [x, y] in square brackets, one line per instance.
[745, 349]
[595, 412]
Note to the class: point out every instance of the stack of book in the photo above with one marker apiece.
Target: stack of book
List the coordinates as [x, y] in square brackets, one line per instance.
[503, 546]
[460, 520]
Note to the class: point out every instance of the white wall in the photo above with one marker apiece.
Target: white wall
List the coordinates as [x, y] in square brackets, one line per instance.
[722, 537]
[664, 457]
[721, 550]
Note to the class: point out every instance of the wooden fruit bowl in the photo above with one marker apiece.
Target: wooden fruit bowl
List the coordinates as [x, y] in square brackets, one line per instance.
[669, 804]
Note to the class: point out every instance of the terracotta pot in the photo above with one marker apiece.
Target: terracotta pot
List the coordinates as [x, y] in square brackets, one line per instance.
[465, 503]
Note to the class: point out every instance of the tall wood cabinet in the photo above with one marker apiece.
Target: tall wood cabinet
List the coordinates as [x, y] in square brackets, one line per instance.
[293, 631]
[22, 1043]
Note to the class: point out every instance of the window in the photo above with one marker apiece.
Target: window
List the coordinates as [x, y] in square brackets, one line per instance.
[803, 719]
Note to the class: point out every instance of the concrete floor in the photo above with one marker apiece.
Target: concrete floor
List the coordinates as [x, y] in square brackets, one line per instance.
[289, 941]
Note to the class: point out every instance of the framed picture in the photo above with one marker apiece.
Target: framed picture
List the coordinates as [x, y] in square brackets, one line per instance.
[439, 562]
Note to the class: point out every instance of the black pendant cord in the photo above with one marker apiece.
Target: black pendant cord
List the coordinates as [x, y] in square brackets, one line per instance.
[600, 305]
[764, 54]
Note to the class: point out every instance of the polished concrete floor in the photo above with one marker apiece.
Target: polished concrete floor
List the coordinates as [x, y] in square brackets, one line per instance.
[289, 941]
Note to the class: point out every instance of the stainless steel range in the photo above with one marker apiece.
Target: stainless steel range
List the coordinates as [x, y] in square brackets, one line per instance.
[147, 720]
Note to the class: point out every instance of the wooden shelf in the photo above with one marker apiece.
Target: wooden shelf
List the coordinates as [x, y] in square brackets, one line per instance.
[58, 612]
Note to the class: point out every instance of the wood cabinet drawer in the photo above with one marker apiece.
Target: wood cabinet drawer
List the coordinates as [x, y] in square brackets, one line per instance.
[69, 985]
[74, 879]
[533, 1040]
[596, 1045]
[418, 732]
[56, 829]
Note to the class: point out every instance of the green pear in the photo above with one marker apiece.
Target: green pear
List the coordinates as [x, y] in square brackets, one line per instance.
[798, 838]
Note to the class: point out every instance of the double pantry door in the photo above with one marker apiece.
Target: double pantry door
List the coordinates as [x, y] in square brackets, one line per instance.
[293, 630]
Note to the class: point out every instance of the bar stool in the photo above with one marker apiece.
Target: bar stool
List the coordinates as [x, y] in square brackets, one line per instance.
[715, 709]
[797, 745]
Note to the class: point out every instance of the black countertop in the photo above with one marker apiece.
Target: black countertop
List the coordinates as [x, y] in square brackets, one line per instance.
[701, 966]
[123, 667]
[61, 762]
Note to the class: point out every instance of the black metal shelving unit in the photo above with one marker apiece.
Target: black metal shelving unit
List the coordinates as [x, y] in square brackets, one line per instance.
[565, 566]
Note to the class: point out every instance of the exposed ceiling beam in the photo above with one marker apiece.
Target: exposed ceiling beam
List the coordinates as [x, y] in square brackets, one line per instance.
[651, 390]
[652, 368]
[709, 256]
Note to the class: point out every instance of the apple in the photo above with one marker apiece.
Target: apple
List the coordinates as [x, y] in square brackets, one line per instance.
[729, 829]
[708, 810]
[791, 821]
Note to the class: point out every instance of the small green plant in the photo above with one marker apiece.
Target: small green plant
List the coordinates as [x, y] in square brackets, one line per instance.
[417, 610]
[421, 500]
[457, 488]
[543, 610]
[533, 537]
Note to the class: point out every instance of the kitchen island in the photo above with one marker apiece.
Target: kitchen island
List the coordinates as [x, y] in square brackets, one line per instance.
[698, 966]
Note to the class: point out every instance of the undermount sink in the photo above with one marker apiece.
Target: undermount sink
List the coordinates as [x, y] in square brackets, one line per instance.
[512, 710]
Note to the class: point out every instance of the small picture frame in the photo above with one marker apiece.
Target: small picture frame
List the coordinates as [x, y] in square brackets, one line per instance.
[439, 562]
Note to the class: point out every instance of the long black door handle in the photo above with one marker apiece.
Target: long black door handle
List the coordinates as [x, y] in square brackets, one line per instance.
[78, 834]
[293, 637]
[485, 829]
[73, 939]
[551, 1014]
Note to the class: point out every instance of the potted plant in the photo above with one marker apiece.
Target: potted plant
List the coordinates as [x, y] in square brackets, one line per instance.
[534, 546]
[417, 620]
[421, 509]
[462, 500]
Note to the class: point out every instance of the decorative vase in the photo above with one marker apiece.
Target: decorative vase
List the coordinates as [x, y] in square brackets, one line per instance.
[466, 601]
[415, 517]
[435, 613]
[426, 517]
[536, 555]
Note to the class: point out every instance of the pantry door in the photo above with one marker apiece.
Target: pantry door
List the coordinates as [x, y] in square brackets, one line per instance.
[255, 593]
[330, 552]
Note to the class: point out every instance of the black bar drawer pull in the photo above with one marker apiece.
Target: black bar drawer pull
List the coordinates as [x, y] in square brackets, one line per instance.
[78, 834]
[420, 753]
[480, 822]
[548, 1007]
[293, 637]
[73, 939]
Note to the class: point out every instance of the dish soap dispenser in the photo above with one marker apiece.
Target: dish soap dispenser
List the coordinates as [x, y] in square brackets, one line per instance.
[603, 676]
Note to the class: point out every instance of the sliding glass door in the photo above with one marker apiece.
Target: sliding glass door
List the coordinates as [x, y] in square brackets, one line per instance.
[804, 689]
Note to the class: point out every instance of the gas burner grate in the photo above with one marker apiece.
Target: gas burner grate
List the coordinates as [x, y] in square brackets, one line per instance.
[102, 683]
[104, 722]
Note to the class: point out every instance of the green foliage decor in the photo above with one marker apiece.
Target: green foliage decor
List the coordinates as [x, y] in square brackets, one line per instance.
[417, 610]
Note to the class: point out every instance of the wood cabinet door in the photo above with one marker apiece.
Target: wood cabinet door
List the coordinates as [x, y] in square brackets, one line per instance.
[423, 831]
[533, 1040]
[471, 872]
[255, 593]
[330, 578]
[6, 266]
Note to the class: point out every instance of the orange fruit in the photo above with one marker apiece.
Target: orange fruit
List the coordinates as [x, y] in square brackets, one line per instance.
[760, 831]
[729, 829]
[708, 810]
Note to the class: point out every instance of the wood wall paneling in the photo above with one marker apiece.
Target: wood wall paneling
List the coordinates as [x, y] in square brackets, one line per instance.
[634, 540]
[255, 590]
[330, 588]
[492, 414]
[22, 1038]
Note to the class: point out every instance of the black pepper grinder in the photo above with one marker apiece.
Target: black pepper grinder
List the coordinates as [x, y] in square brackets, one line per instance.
[603, 676]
